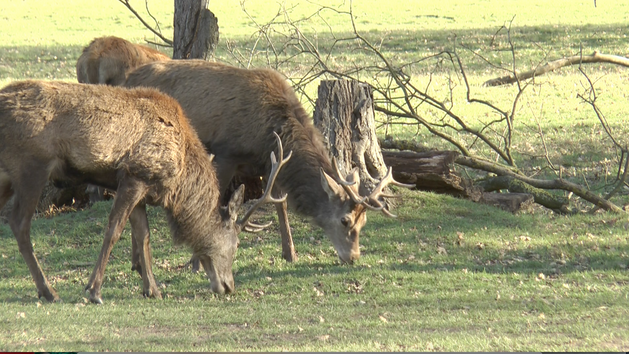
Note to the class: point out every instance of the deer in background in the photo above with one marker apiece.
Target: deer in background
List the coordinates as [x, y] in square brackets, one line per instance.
[137, 142]
[108, 60]
[235, 112]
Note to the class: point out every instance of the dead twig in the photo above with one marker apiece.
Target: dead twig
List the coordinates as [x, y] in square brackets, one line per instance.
[157, 32]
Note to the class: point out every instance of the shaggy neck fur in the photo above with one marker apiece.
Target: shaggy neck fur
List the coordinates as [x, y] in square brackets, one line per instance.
[190, 212]
[301, 176]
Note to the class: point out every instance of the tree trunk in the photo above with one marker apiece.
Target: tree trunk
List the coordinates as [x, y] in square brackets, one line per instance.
[344, 114]
[195, 30]
[196, 37]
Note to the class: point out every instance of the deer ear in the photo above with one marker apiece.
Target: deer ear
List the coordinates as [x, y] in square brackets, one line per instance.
[329, 185]
[235, 202]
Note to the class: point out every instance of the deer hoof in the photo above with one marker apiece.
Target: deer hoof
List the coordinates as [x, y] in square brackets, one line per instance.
[49, 295]
[94, 297]
[137, 267]
[153, 293]
[195, 265]
[290, 257]
[96, 300]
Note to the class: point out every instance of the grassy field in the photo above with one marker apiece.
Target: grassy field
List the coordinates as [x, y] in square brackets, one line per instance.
[446, 275]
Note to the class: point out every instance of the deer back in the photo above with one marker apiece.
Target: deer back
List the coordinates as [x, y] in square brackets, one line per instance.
[235, 112]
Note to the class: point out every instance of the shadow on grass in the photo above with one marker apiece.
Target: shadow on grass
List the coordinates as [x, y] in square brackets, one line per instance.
[401, 46]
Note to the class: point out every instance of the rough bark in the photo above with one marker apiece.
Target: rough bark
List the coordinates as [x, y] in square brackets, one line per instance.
[195, 30]
[207, 36]
[344, 114]
[595, 57]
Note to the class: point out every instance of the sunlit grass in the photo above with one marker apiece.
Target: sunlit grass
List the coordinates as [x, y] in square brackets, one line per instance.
[446, 275]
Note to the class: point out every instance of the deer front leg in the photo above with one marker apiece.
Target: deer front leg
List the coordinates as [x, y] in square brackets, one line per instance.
[136, 227]
[288, 248]
[130, 192]
[27, 194]
[141, 237]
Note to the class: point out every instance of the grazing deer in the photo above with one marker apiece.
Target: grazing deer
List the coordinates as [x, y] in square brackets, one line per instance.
[137, 142]
[108, 60]
[235, 112]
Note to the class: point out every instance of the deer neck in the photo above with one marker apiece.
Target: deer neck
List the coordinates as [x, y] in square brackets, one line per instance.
[300, 178]
[192, 215]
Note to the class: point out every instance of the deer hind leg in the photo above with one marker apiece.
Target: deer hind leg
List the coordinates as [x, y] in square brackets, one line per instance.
[141, 238]
[130, 192]
[288, 248]
[6, 189]
[27, 193]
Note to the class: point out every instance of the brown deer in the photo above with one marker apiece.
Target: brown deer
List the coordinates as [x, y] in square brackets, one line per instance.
[108, 60]
[137, 142]
[235, 112]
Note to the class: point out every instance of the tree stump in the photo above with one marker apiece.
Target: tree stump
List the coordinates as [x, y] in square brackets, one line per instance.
[344, 114]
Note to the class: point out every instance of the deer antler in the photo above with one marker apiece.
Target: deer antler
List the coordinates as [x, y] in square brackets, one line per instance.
[266, 197]
[373, 198]
[372, 201]
[347, 185]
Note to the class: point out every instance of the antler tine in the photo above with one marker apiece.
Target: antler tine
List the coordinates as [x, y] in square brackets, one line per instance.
[386, 180]
[346, 184]
[266, 197]
[254, 227]
[377, 193]
[380, 207]
[342, 180]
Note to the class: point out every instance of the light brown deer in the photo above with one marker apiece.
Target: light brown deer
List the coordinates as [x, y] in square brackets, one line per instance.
[137, 142]
[108, 60]
[235, 112]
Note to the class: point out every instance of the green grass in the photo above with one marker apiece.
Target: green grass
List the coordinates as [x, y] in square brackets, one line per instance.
[446, 275]
[455, 276]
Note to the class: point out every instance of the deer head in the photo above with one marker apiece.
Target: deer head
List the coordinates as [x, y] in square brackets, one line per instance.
[344, 222]
[218, 267]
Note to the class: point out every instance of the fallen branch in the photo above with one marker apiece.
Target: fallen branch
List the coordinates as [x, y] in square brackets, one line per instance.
[541, 197]
[559, 183]
[596, 57]
[502, 170]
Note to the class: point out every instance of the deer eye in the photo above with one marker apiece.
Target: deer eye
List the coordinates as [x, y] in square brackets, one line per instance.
[345, 220]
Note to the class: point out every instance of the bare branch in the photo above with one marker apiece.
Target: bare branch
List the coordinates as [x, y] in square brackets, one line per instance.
[156, 32]
[596, 57]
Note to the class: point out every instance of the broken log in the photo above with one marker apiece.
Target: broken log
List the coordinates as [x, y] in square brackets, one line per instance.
[431, 171]
[512, 202]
